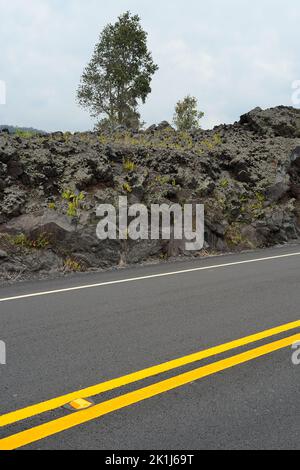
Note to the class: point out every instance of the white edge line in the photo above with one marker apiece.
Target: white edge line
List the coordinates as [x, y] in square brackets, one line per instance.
[141, 278]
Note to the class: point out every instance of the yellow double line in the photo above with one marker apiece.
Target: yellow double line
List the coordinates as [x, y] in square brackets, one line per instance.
[69, 421]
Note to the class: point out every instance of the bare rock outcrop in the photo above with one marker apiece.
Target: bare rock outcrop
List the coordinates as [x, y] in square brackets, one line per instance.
[247, 175]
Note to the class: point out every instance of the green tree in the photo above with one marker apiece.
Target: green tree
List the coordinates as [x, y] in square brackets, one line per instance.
[119, 74]
[187, 116]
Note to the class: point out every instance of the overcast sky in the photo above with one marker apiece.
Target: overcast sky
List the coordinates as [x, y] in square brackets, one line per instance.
[232, 55]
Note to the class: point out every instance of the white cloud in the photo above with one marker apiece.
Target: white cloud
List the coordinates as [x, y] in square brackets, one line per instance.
[187, 61]
[232, 55]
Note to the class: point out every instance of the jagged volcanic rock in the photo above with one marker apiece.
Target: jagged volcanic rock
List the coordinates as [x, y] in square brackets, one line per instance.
[246, 174]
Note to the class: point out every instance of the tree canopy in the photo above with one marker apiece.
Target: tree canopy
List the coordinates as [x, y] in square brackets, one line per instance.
[119, 74]
[187, 115]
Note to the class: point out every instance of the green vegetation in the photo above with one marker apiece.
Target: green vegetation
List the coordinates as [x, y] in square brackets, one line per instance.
[243, 198]
[103, 139]
[127, 187]
[67, 136]
[129, 166]
[258, 205]
[167, 139]
[40, 243]
[119, 74]
[224, 183]
[212, 143]
[25, 134]
[162, 180]
[71, 264]
[233, 235]
[187, 116]
[52, 206]
[74, 201]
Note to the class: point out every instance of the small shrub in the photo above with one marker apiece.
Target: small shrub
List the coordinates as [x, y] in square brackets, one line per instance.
[71, 264]
[127, 187]
[40, 243]
[67, 135]
[25, 134]
[129, 166]
[74, 202]
[19, 240]
[224, 183]
[217, 139]
[162, 180]
[260, 197]
[211, 144]
[103, 139]
[233, 235]
[258, 205]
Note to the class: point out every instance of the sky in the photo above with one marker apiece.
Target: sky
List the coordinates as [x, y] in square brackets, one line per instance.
[232, 55]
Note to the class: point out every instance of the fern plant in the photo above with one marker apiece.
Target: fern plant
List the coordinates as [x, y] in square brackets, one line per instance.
[74, 201]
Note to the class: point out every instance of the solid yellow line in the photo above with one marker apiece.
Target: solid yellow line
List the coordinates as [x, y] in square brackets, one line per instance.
[62, 424]
[54, 403]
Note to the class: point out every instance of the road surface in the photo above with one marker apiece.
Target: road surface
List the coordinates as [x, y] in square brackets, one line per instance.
[188, 355]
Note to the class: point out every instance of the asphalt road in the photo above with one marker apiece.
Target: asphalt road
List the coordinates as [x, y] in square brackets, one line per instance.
[62, 342]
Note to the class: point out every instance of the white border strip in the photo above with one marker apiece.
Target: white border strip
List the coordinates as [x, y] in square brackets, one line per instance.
[141, 278]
